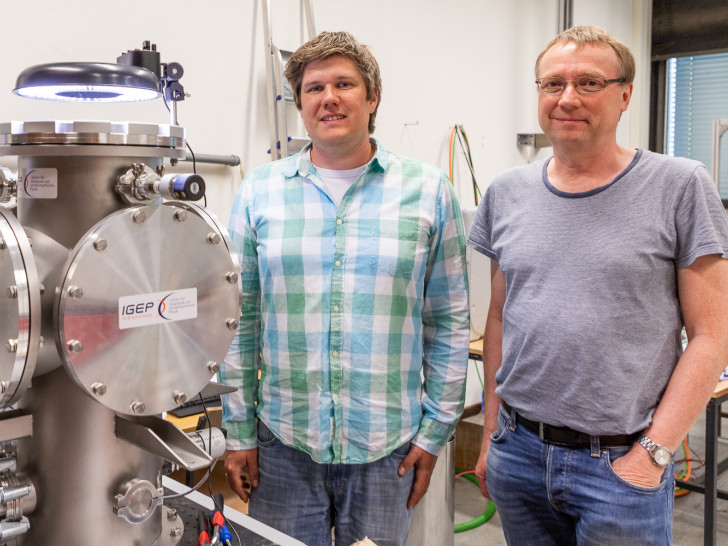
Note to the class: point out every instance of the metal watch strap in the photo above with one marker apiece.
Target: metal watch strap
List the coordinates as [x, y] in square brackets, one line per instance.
[652, 448]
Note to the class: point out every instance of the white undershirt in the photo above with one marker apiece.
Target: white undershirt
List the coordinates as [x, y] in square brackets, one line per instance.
[336, 182]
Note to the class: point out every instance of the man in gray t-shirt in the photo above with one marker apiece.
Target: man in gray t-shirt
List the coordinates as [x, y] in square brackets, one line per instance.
[600, 255]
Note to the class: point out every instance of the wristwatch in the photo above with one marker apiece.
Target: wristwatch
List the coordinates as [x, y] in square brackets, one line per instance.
[661, 456]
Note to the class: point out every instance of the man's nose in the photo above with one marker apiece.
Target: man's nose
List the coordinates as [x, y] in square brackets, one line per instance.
[569, 94]
[330, 94]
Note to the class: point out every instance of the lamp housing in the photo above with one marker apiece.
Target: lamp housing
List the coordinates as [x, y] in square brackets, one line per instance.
[88, 82]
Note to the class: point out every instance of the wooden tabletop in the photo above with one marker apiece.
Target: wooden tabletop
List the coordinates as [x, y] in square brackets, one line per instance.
[189, 423]
[476, 347]
[720, 389]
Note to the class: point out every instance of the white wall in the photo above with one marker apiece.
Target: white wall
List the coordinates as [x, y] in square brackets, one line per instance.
[467, 62]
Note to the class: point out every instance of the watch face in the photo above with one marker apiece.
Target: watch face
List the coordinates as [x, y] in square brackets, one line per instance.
[662, 456]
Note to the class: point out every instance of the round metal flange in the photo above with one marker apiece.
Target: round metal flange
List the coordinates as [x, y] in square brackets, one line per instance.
[19, 309]
[137, 500]
[145, 306]
[59, 136]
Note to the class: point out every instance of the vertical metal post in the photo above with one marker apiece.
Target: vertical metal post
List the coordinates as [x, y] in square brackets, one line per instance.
[270, 84]
[277, 122]
[308, 9]
[173, 113]
[712, 416]
[720, 126]
[566, 14]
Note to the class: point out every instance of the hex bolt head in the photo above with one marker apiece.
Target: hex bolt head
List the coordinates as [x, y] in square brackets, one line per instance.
[100, 244]
[231, 277]
[175, 532]
[99, 389]
[3, 246]
[3, 386]
[214, 367]
[74, 346]
[12, 292]
[42, 289]
[75, 291]
[213, 238]
[180, 215]
[172, 514]
[41, 342]
[139, 217]
[231, 323]
[11, 345]
[179, 397]
[137, 406]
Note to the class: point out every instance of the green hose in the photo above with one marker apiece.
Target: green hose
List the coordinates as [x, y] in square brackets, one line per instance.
[481, 519]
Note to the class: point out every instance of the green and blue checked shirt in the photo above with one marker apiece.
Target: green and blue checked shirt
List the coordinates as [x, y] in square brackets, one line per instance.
[356, 316]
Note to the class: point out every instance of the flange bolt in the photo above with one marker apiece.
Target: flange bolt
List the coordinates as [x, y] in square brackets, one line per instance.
[99, 389]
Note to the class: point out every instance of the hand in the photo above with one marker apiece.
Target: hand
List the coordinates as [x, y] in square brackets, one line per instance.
[235, 464]
[424, 463]
[482, 464]
[637, 468]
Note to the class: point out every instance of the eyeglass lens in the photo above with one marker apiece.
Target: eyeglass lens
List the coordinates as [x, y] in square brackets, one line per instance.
[583, 84]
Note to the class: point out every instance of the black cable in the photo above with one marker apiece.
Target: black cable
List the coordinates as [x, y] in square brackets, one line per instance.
[209, 451]
[209, 444]
[194, 169]
[194, 162]
[209, 478]
[217, 500]
[164, 98]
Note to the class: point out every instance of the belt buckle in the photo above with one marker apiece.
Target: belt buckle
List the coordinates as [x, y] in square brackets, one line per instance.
[540, 432]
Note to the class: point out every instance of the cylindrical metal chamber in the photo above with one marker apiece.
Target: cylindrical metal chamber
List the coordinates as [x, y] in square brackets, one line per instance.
[78, 465]
[138, 305]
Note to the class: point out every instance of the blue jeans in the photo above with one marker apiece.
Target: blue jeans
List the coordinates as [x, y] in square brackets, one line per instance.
[305, 499]
[547, 494]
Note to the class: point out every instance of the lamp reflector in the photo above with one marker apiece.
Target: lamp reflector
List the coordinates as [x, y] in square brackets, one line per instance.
[87, 82]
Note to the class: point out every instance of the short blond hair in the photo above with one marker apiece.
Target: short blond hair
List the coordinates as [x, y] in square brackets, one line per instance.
[592, 35]
[329, 44]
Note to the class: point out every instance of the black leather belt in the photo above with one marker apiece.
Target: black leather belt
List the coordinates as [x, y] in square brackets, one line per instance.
[567, 437]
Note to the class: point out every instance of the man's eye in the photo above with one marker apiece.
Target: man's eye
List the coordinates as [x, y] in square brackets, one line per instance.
[552, 84]
[344, 84]
[589, 83]
[313, 89]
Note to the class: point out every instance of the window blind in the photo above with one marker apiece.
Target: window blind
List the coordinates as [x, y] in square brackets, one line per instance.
[697, 93]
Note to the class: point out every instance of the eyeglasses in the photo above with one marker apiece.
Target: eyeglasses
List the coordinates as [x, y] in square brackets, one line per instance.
[583, 84]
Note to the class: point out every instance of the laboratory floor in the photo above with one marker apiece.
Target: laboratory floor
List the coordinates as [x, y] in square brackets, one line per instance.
[687, 521]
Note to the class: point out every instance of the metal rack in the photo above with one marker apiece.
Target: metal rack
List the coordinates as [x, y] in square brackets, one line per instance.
[277, 92]
[720, 126]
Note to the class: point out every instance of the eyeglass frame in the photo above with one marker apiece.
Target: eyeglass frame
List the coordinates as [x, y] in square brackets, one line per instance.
[605, 82]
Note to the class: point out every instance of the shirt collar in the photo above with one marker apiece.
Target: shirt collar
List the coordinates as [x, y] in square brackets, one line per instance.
[300, 163]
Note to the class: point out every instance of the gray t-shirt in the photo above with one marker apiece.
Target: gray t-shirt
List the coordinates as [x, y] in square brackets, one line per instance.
[592, 321]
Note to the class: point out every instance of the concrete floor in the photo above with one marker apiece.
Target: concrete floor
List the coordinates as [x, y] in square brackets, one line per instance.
[687, 521]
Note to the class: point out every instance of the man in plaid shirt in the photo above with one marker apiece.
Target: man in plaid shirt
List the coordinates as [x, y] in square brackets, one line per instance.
[355, 312]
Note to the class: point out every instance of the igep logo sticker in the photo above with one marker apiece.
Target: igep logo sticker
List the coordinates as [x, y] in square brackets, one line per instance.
[40, 183]
[157, 308]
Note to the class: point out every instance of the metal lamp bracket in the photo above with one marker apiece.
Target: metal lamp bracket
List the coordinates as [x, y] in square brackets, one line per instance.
[534, 140]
